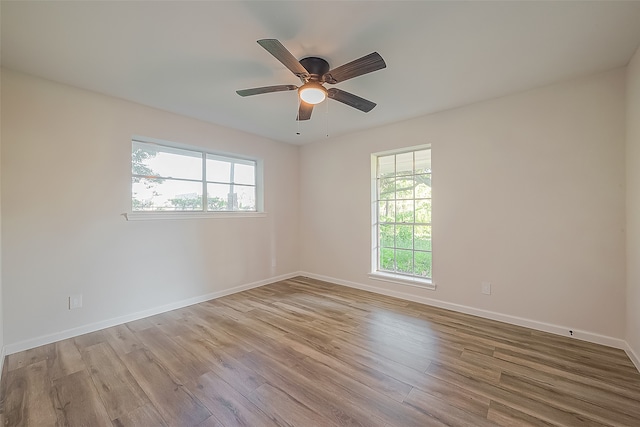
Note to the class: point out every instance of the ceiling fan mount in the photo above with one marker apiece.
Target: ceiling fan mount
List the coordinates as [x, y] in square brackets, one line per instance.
[317, 67]
[313, 72]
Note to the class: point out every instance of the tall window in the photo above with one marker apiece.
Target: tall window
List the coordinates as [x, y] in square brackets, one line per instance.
[165, 178]
[402, 214]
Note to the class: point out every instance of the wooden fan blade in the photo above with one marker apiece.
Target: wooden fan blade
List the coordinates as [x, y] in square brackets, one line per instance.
[351, 100]
[275, 48]
[265, 89]
[366, 64]
[304, 111]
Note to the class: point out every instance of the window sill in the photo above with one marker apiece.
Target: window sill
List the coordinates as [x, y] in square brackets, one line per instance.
[404, 280]
[150, 216]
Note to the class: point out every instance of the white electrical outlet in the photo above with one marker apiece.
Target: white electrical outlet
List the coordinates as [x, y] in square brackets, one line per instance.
[486, 288]
[75, 301]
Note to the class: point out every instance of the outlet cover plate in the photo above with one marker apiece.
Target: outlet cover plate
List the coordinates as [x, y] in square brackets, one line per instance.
[75, 301]
[486, 288]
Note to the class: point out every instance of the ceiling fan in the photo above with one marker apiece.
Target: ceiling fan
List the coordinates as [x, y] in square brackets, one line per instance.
[313, 72]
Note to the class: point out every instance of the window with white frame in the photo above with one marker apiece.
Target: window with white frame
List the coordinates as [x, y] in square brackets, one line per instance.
[173, 179]
[402, 215]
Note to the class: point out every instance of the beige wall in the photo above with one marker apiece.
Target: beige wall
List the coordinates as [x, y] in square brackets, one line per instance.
[528, 195]
[65, 182]
[633, 206]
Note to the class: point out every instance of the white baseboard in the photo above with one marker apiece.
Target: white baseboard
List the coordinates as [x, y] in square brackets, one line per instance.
[2, 355]
[506, 318]
[92, 327]
[633, 356]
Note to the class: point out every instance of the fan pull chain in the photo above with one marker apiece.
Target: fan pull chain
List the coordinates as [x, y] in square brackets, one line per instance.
[327, 101]
[298, 116]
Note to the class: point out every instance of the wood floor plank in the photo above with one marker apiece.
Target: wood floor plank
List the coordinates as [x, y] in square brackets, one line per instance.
[122, 339]
[304, 352]
[286, 410]
[77, 402]
[237, 304]
[356, 357]
[141, 324]
[455, 396]
[184, 365]
[87, 340]
[27, 396]
[604, 371]
[507, 416]
[222, 364]
[251, 336]
[522, 403]
[624, 388]
[227, 405]
[601, 393]
[143, 416]
[356, 394]
[28, 357]
[377, 350]
[548, 395]
[225, 311]
[443, 411]
[171, 324]
[211, 422]
[371, 377]
[312, 392]
[215, 328]
[175, 403]
[117, 388]
[65, 360]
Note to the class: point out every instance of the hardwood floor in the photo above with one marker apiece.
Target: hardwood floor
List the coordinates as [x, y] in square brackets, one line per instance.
[307, 353]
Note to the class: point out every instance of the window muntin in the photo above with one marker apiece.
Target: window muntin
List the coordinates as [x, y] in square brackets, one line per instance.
[402, 204]
[171, 179]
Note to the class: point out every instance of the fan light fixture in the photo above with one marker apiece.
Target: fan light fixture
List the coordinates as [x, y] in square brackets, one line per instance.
[312, 92]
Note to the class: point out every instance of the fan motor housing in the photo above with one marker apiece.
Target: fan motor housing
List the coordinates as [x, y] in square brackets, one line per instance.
[317, 67]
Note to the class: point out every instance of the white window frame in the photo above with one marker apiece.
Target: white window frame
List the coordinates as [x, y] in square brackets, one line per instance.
[376, 273]
[132, 215]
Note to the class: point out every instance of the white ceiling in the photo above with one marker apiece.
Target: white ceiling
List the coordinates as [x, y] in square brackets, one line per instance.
[190, 57]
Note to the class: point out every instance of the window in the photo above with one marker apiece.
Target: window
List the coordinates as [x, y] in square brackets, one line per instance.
[402, 216]
[172, 179]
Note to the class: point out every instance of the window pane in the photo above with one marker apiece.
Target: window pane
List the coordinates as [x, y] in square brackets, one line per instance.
[387, 236]
[245, 197]
[422, 264]
[404, 261]
[153, 160]
[404, 211]
[423, 161]
[422, 237]
[218, 170]
[387, 259]
[404, 188]
[423, 211]
[386, 189]
[387, 211]
[404, 163]
[423, 186]
[386, 166]
[404, 236]
[172, 179]
[244, 174]
[218, 197]
[165, 195]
